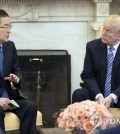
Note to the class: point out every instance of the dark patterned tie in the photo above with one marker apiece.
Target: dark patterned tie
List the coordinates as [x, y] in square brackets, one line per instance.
[110, 59]
[5, 93]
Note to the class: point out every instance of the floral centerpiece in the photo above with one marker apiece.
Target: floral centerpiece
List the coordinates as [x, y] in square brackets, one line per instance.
[87, 115]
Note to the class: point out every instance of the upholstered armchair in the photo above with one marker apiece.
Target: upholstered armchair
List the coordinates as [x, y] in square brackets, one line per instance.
[11, 117]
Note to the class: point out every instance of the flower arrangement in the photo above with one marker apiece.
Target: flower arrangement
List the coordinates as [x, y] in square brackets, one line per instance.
[87, 115]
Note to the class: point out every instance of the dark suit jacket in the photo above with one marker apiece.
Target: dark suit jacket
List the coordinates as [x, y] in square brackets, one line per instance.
[95, 68]
[10, 65]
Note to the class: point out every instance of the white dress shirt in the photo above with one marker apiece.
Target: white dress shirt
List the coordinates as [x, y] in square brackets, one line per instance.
[115, 98]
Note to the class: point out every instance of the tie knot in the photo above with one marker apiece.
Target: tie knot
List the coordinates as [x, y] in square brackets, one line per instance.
[111, 49]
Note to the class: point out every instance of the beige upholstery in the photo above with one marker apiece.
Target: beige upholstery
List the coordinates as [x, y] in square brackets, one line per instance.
[115, 112]
[12, 121]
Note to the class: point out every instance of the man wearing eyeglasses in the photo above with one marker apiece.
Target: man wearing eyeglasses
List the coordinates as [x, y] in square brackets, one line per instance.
[10, 74]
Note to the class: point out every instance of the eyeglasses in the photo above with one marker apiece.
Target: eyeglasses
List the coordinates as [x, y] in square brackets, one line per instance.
[7, 27]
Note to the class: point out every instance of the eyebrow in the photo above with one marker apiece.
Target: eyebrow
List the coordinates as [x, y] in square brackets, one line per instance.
[7, 24]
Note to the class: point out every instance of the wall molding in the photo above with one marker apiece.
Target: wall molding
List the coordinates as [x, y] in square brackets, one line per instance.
[102, 1]
[37, 1]
[91, 11]
[48, 10]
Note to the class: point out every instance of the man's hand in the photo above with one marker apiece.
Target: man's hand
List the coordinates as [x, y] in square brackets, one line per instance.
[108, 101]
[13, 78]
[4, 103]
[100, 100]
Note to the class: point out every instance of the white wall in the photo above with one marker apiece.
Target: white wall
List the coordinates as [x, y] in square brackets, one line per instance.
[70, 36]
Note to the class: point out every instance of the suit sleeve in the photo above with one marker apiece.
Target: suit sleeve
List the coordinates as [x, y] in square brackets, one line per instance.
[15, 67]
[88, 73]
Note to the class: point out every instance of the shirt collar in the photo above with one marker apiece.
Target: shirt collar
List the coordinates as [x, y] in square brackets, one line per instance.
[115, 46]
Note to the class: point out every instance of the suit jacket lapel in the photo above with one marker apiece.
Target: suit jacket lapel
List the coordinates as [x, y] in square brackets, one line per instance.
[103, 62]
[5, 59]
[116, 60]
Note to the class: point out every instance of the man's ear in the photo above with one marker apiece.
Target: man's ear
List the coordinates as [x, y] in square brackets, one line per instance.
[119, 37]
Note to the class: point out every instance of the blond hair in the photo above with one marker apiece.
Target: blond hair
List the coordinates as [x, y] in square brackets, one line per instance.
[113, 20]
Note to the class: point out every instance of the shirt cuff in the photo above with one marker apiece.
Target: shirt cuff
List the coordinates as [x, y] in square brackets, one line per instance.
[97, 96]
[115, 98]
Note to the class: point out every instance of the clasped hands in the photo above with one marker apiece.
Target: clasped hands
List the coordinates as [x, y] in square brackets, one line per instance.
[13, 78]
[105, 101]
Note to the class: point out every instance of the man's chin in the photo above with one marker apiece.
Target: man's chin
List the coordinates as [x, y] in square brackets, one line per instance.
[6, 40]
[104, 41]
[3, 41]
